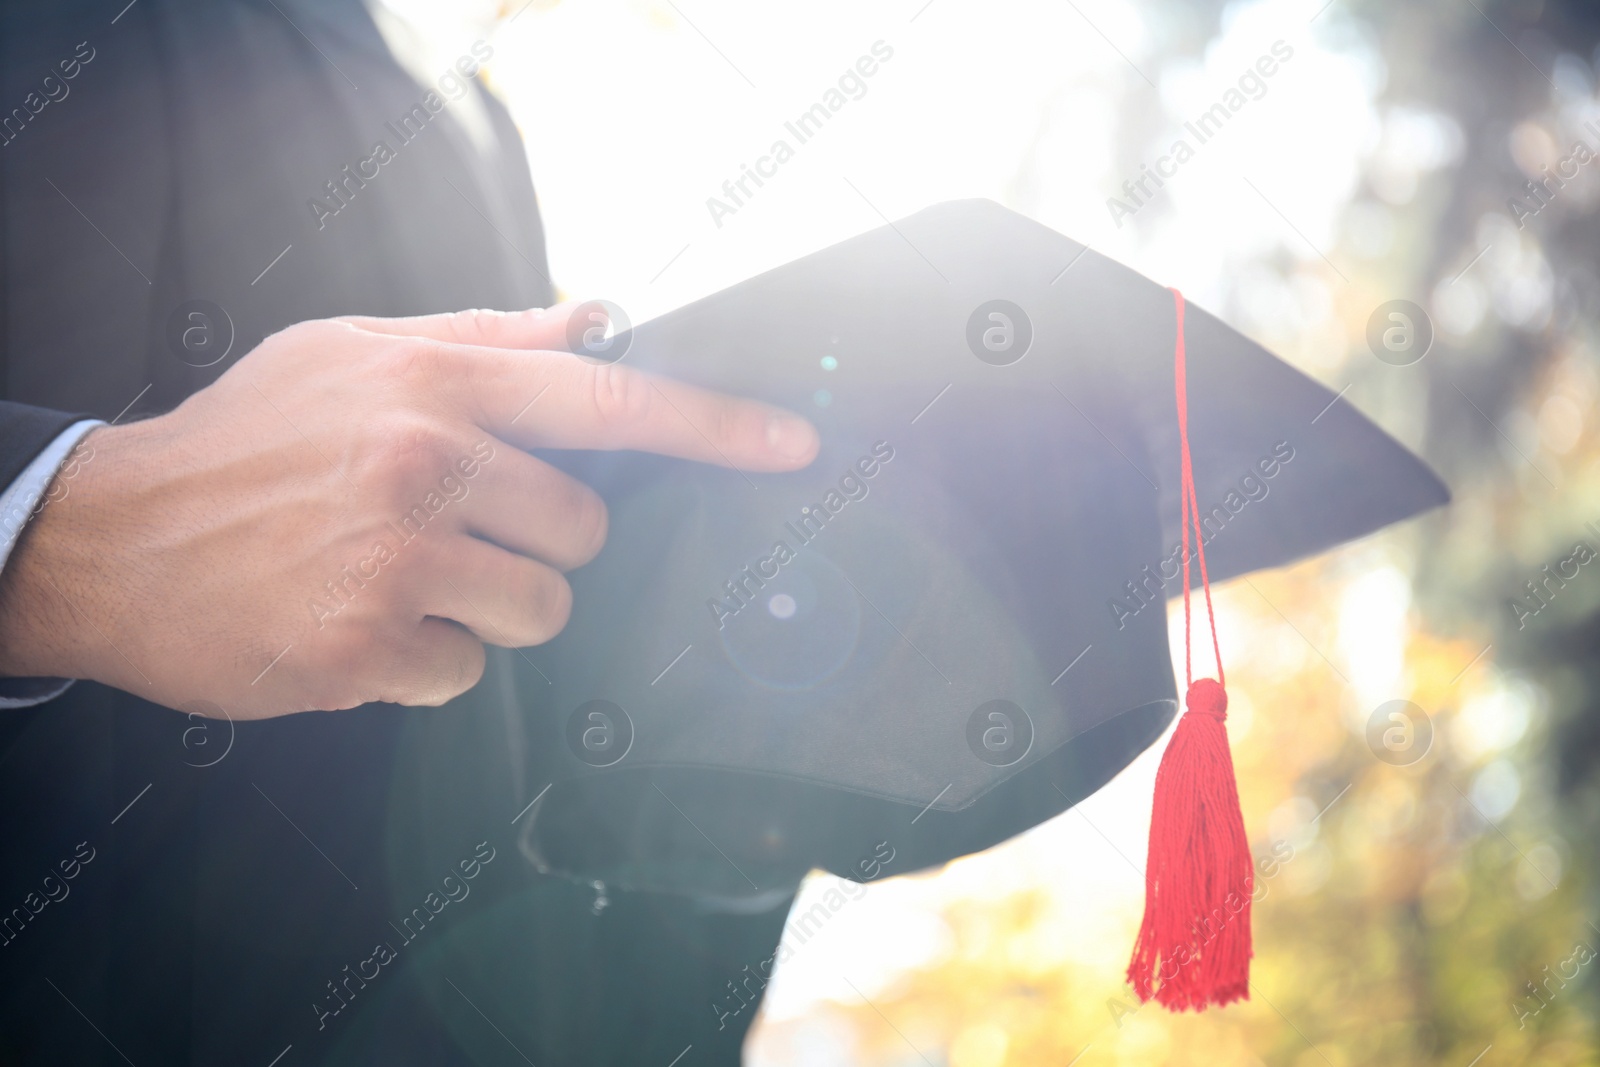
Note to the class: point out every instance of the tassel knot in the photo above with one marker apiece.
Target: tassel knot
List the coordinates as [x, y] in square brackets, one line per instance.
[1207, 697]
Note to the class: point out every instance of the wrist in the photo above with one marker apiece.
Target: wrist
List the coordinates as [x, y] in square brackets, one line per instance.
[58, 589]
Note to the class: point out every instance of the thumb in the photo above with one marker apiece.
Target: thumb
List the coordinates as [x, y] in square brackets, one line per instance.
[534, 328]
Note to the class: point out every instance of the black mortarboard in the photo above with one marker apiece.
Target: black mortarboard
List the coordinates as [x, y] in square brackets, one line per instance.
[951, 626]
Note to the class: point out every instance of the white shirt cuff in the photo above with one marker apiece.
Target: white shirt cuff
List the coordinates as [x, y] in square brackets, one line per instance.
[19, 502]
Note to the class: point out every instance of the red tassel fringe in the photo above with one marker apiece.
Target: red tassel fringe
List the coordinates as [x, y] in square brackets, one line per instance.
[1194, 944]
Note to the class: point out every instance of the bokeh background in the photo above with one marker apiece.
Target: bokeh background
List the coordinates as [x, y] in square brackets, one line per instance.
[1438, 902]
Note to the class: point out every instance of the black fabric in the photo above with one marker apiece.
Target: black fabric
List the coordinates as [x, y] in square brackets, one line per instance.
[216, 867]
[804, 663]
[25, 431]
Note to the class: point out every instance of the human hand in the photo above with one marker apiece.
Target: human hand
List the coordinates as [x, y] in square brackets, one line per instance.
[348, 515]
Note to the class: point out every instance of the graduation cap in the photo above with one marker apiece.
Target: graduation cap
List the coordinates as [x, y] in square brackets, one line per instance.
[952, 625]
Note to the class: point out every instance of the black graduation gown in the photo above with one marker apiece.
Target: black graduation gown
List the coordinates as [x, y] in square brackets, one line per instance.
[231, 884]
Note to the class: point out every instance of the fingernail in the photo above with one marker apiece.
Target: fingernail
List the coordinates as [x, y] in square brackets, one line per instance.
[790, 436]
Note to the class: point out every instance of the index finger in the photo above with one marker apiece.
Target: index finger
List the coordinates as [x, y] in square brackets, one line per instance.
[555, 400]
[547, 328]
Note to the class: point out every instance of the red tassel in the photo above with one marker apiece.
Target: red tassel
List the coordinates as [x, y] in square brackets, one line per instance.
[1194, 944]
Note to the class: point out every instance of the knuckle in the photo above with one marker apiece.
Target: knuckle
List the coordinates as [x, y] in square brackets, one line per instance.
[475, 326]
[413, 451]
[591, 522]
[418, 360]
[621, 398]
[729, 422]
[551, 601]
[417, 562]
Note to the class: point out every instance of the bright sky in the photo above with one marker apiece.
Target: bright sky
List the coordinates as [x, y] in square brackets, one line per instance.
[637, 111]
